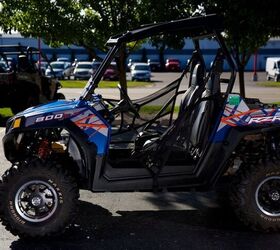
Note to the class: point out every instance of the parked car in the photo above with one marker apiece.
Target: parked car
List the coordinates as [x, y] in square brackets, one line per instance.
[272, 68]
[63, 59]
[95, 66]
[131, 62]
[140, 71]
[82, 70]
[111, 73]
[172, 65]
[154, 64]
[60, 70]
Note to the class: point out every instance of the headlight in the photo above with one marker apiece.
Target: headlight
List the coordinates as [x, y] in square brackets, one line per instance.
[16, 123]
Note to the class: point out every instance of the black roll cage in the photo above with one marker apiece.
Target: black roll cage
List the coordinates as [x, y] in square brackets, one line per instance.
[16, 50]
[194, 27]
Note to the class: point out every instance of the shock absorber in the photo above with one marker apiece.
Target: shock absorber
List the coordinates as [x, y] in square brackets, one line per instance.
[44, 149]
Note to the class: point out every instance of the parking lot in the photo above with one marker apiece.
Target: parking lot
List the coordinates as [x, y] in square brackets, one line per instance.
[159, 80]
[185, 220]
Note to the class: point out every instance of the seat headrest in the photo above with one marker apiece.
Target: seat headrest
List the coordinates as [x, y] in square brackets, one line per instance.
[213, 85]
[197, 76]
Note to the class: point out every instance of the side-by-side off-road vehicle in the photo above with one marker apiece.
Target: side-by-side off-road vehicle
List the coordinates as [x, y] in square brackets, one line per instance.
[190, 134]
[22, 83]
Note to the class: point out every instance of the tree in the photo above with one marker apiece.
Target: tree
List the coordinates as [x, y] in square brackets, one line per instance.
[161, 11]
[248, 25]
[84, 23]
[87, 23]
[60, 22]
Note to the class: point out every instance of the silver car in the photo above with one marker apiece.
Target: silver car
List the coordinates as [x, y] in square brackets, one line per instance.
[60, 70]
[83, 70]
[140, 71]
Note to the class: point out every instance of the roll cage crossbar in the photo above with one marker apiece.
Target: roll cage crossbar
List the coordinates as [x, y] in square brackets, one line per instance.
[6, 50]
[194, 27]
[17, 50]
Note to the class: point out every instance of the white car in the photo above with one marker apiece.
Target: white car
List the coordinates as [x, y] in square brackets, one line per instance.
[140, 71]
[63, 59]
[83, 70]
[272, 68]
[60, 70]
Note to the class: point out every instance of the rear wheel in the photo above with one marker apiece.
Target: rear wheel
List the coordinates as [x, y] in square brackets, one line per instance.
[276, 78]
[37, 199]
[256, 196]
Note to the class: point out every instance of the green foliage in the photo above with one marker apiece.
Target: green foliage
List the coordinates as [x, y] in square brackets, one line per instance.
[162, 11]
[57, 22]
[269, 84]
[90, 23]
[87, 23]
[102, 84]
[5, 113]
[248, 26]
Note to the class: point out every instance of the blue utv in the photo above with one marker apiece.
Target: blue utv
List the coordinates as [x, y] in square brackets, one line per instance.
[146, 144]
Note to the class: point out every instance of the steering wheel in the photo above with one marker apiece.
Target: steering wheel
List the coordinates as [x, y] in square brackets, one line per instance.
[131, 106]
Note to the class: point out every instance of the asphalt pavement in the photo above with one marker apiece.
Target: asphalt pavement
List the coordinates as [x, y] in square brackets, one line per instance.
[159, 80]
[184, 220]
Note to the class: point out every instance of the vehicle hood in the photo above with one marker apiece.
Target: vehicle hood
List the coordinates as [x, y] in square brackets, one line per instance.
[110, 71]
[52, 113]
[140, 71]
[173, 63]
[81, 70]
[55, 106]
[56, 70]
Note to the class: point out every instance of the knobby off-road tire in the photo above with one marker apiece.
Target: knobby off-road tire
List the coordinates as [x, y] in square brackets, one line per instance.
[38, 199]
[255, 196]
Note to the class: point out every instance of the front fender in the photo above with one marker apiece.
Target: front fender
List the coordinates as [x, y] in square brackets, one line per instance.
[86, 127]
[66, 115]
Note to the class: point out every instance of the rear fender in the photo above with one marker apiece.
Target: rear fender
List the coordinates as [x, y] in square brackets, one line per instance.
[237, 115]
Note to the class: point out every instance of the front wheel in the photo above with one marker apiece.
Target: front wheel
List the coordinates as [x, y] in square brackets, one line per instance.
[256, 196]
[37, 199]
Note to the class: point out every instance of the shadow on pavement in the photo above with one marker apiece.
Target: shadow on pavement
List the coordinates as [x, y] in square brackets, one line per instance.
[97, 228]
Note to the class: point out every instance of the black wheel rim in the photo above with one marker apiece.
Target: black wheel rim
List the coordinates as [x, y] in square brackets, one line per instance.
[36, 201]
[268, 196]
